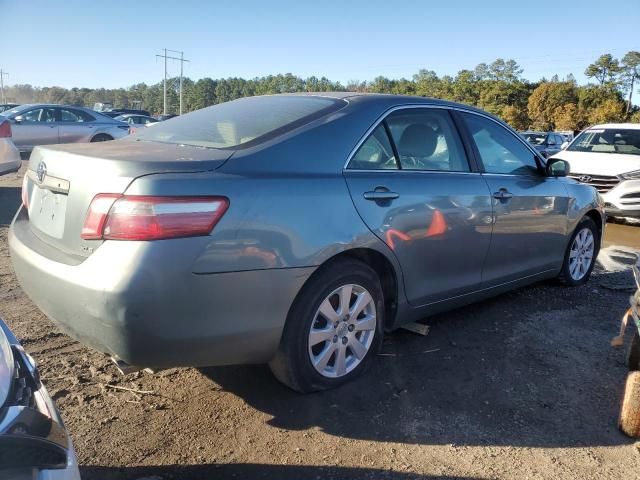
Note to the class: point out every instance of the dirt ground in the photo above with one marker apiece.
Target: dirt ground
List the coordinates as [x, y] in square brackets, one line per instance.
[521, 386]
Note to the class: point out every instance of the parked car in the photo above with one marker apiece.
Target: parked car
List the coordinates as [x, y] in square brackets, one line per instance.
[10, 160]
[34, 444]
[135, 120]
[40, 124]
[8, 106]
[116, 112]
[167, 116]
[547, 143]
[293, 230]
[608, 157]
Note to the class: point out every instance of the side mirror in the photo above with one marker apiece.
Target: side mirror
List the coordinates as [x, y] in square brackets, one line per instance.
[565, 144]
[557, 167]
[18, 119]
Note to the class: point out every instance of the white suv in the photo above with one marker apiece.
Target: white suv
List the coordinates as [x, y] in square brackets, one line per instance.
[608, 157]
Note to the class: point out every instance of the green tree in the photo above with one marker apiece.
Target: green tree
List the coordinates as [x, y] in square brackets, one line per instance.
[605, 69]
[630, 73]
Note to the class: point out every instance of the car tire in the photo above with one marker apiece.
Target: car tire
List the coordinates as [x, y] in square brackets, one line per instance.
[633, 353]
[573, 275]
[101, 137]
[298, 362]
[629, 420]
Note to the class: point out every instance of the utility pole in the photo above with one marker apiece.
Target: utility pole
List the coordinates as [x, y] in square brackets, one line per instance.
[2, 74]
[181, 60]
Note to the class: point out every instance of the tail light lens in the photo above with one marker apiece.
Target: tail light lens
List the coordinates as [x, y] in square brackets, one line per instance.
[25, 192]
[117, 217]
[5, 129]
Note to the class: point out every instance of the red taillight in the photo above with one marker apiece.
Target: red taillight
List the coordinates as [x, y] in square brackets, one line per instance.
[97, 215]
[5, 129]
[25, 192]
[116, 217]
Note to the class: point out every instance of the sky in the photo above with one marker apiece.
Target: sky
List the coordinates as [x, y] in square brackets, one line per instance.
[113, 43]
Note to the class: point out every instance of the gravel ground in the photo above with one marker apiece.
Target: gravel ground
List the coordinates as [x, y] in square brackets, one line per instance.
[521, 386]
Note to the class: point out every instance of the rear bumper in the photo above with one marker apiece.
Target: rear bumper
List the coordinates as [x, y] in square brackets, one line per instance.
[624, 199]
[140, 302]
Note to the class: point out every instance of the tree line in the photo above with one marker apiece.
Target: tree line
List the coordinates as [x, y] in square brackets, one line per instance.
[498, 87]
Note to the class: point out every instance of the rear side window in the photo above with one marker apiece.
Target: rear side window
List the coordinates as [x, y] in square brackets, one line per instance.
[426, 139]
[71, 115]
[242, 122]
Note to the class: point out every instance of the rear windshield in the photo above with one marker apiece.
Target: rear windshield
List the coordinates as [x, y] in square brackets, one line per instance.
[607, 140]
[242, 122]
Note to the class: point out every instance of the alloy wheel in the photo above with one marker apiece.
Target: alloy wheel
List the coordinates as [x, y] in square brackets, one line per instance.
[342, 331]
[581, 254]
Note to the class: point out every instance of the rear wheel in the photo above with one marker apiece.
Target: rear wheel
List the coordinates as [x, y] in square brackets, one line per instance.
[581, 254]
[101, 137]
[333, 329]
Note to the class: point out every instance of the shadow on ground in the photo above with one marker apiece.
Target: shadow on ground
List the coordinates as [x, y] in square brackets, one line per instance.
[248, 472]
[9, 203]
[531, 368]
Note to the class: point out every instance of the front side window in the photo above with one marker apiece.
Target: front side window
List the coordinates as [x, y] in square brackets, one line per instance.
[39, 115]
[242, 122]
[375, 153]
[500, 150]
[426, 139]
[609, 140]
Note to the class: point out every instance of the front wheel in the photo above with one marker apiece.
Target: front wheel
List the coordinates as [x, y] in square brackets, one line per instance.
[581, 254]
[333, 329]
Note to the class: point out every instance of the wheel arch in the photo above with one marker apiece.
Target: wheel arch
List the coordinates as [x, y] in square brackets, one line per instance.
[384, 268]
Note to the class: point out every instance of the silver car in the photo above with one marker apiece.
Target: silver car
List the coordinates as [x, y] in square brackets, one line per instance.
[34, 444]
[40, 124]
[292, 229]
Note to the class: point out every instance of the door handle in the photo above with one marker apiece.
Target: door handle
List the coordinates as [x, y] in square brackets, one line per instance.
[503, 194]
[381, 193]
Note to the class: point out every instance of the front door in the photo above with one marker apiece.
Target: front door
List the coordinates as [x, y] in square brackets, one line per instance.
[411, 183]
[530, 209]
[37, 127]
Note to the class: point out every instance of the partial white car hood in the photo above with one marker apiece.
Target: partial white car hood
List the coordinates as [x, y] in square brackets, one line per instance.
[610, 164]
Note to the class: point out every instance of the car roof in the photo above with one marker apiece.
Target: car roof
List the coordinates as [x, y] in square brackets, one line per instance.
[627, 126]
[391, 100]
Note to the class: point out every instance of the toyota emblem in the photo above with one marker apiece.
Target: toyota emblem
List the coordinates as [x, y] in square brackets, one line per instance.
[584, 178]
[41, 172]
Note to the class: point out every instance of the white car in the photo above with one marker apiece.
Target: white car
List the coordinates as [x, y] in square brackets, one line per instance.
[608, 157]
[9, 155]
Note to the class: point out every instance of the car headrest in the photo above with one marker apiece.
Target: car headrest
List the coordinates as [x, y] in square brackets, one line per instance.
[418, 140]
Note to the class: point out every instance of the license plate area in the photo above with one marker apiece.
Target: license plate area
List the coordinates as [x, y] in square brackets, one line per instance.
[47, 211]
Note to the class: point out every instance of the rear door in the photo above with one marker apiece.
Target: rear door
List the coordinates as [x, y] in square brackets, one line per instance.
[74, 125]
[37, 127]
[412, 184]
[530, 209]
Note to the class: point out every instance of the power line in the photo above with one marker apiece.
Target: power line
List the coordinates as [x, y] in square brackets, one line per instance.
[164, 84]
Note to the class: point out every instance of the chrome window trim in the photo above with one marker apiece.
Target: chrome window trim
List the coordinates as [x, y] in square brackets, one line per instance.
[430, 106]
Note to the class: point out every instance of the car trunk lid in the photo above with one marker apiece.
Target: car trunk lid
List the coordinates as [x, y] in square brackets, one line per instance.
[63, 179]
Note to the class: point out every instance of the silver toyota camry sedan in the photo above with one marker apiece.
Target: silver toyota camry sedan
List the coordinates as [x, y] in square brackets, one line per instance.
[293, 230]
[44, 124]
